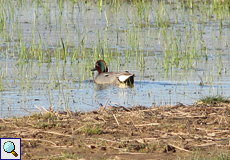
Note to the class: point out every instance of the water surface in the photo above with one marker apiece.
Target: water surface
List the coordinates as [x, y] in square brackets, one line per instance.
[48, 48]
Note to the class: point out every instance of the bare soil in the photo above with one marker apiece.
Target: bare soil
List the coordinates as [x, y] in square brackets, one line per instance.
[167, 132]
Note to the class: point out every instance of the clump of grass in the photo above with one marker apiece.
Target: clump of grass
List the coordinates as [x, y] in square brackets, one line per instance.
[50, 116]
[92, 129]
[136, 147]
[70, 156]
[44, 125]
[215, 99]
[218, 156]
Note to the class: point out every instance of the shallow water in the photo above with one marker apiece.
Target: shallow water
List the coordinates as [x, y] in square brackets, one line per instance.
[88, 96]
[125, 40]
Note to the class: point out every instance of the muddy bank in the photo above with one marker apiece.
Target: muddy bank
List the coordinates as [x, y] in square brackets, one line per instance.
[123, 133]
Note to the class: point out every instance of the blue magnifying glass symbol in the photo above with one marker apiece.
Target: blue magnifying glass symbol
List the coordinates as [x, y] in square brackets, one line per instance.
[9, 147]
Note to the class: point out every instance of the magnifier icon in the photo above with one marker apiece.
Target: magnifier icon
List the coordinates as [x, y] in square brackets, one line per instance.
[9, 147]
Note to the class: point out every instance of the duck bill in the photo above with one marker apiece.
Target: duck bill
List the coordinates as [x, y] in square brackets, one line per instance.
[93, 69]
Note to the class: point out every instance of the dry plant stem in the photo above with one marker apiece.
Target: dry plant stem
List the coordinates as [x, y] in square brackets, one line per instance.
[38, 108]
[3, 120]
[206, 145]
[150, 124]
[116, 119]
[180, 148]
[131, 153]
[103, 108]
[80, 128]
[69, 113]
[49, 132]
[31, 139]
[25, 109]
[54, 144]
[108, 140]
[45, 109]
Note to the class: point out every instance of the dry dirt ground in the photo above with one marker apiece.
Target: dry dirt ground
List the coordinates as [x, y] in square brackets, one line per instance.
[167, 132]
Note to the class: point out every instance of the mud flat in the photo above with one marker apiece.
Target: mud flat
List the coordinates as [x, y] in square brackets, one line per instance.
[197, 131]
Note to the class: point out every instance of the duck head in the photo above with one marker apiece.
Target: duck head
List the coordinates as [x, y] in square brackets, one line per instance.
[100, 66]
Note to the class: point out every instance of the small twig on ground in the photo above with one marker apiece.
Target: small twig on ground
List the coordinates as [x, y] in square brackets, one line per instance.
[201, 129]
[56, 133]
[30, 139]
[206, 145]
[63, 147]
[180, 148]
[116, 119]
[108, 140]
[79, 128]
[132, 153]
[149, 124]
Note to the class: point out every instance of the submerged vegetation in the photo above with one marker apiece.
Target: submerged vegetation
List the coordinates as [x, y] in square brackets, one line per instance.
[59, 42]
[180, 27]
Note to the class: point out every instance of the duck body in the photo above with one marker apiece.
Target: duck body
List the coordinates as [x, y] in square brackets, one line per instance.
[105, 77]
[114, 78]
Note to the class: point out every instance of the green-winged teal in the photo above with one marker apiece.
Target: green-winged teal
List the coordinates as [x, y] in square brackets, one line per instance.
[105, 77]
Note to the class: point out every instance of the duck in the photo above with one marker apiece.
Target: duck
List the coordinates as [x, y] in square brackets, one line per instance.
[105, 77]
